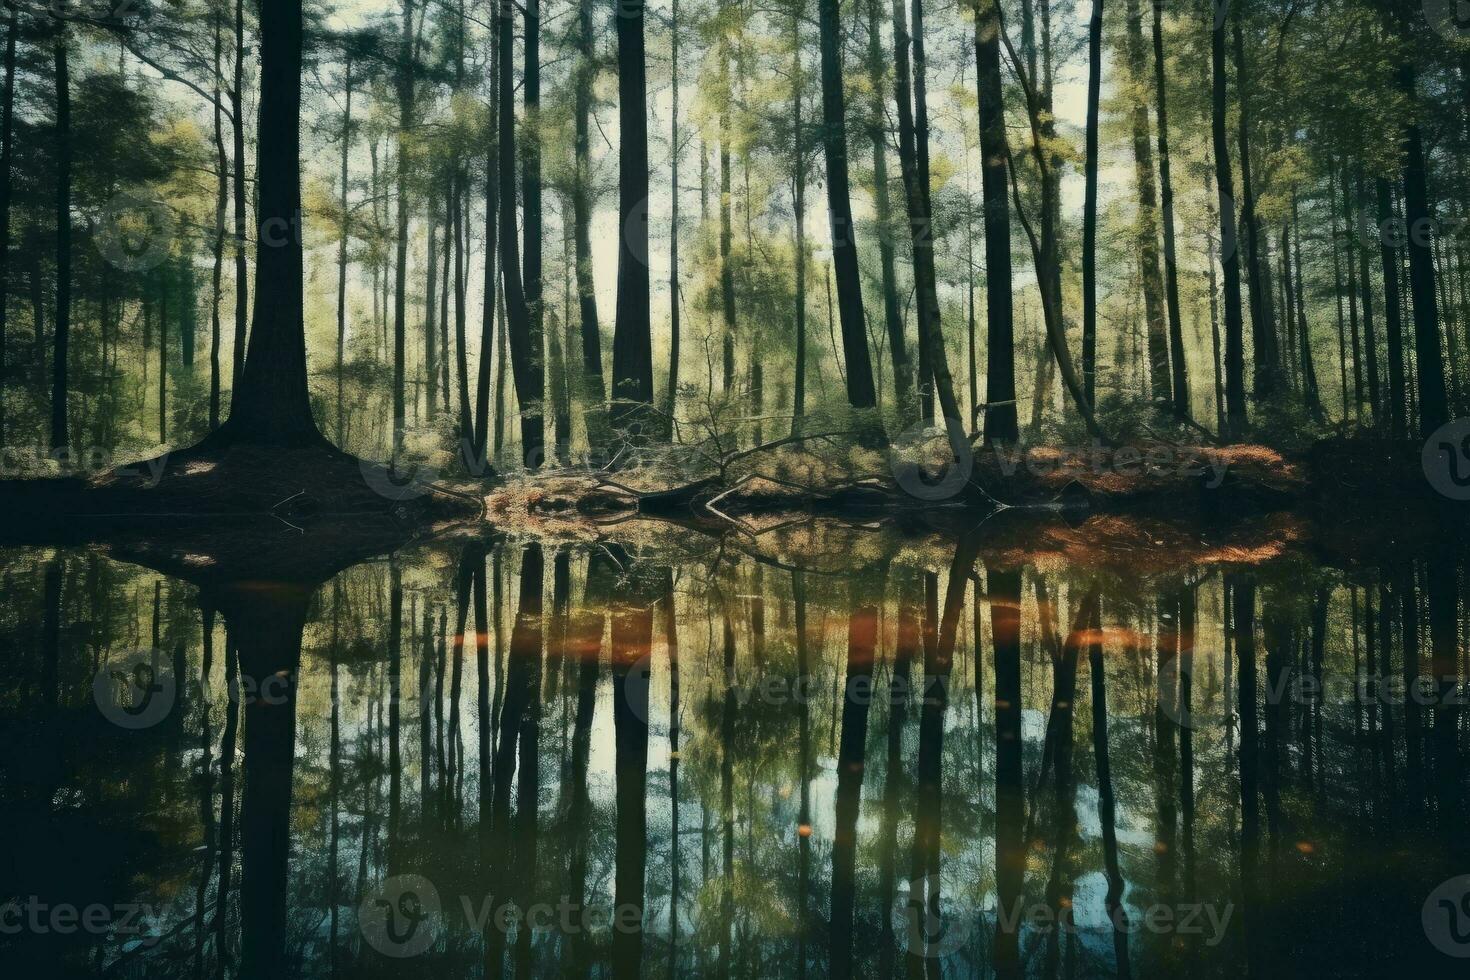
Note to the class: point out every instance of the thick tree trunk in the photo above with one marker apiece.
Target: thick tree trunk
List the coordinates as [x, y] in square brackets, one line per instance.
[1235, 413]
[632, 386]
[1000, 386]
[1160, 385]
[272, 404]
[1180, 375]
[59, 380]
[861, 393]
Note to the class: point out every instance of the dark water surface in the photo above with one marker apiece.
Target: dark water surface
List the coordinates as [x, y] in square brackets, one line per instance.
[719, 767]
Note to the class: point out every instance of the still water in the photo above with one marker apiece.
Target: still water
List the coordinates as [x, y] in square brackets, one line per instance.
[521, 758]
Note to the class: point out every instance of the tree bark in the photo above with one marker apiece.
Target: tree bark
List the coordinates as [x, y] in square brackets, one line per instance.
[861, 393]
[59, 381]
[1160, 386]
[903, 369]
[341, 247]
[1089, 206]
[671, 392]
[632, 386]
[1235, 412]
[1180, 376]
[242, 272]
[7, 137]
[1001, 424]
[272, 403]
[1263, 337]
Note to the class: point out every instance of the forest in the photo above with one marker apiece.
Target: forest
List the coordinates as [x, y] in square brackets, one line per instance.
[506, 238]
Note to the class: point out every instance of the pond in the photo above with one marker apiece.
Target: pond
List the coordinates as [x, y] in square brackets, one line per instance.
[536, 758]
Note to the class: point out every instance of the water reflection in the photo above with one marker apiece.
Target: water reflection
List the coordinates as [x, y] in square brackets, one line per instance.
[970, 767]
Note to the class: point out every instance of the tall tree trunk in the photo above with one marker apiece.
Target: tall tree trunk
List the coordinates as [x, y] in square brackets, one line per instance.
[1370, 334]
[1310, 389]
[59, 436]
[798, 208]
[913, 159]
[1001, 424]
[525, 341]
[1180, 375]
[242, 273]
[861, 393]
[1160, 386]
[272, 404]
[1419, 220]
[1397, 404]
[727, 274]
[488, 310]
[632, 386]
[221, 200]
[341, 249]
[1263, 337]
[7, 136]
[1235, 413]
[671, 392]
[1089, 206]
[903, 370]
[403, 83]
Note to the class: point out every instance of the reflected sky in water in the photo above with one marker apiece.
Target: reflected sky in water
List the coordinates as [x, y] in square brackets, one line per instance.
[523, 759]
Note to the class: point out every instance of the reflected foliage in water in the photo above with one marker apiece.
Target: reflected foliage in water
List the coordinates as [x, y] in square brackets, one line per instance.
[515, 759]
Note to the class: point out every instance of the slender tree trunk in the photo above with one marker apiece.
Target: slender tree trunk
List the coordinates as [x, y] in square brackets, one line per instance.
[1235, 413]
[798, 195]
[861, 393]
[1001, 424]
[342, 250]
[492, 272]
[671, 393]
[59, 381]
[1148, 216]
[1264, 344]
[1089, 207]
[903, 370]
[525, 341]
[7, 137]
[1370, 334]
[727, 274]
[1419, 220]
[1180, 374]
[632, 385]
[913, 135]
[221, 200]
[403, 82]
[242, 273]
